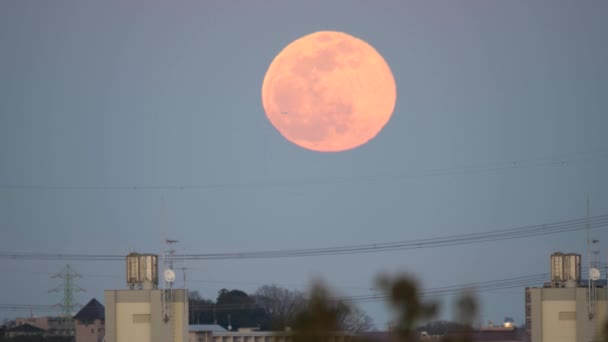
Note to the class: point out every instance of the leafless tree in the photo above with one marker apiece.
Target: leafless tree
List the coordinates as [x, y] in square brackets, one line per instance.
[280, 304]
[356, 320]
[284, 305]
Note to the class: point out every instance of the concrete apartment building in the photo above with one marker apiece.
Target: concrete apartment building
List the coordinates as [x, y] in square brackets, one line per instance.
[144, 313]
[568, 308]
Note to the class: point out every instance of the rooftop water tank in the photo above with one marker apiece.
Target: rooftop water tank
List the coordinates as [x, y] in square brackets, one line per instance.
[142, 271]
[572, 267]
[557, 267]
[565, 267]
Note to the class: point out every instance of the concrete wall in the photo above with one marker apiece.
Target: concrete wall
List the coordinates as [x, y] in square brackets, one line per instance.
[558, 320]
[137, 316]
[590, 329]
[562, 315]
[537, 326]
[133, 322]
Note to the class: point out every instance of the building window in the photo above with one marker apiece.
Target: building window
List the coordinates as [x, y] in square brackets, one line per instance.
[141, 318]
[567, 315]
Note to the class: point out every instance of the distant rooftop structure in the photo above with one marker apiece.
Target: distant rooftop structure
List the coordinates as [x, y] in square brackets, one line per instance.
[206, 327]
[24, 329]
[497, 334]
[90, 322]
[52, 325]
[90, 312]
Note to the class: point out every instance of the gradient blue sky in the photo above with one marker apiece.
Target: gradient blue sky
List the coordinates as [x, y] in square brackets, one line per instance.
[156, 93]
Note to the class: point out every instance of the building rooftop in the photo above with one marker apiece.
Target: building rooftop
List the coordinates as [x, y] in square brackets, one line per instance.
[90, 312]
[505, 334]
[206, 327]
[26, 328]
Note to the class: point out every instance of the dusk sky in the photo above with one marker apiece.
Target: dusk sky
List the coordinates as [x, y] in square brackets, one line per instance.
[125, 122]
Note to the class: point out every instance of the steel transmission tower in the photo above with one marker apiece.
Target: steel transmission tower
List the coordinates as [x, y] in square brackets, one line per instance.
[68, 304]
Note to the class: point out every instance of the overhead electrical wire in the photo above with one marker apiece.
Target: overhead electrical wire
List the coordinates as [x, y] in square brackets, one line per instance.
[484, 286]
[550, 161]
[502, 234]
[462, 239]
[476, 287]
[554, 228]
[29, 307]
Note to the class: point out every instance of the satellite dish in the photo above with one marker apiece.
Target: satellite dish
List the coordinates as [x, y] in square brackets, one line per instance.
[594, 274]
[169, 275]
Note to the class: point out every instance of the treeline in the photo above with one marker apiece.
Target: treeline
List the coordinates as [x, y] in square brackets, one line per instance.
[311, 316]
[322, 313]
[269, 308]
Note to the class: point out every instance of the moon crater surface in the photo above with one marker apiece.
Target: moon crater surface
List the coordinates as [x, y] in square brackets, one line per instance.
[329, 92]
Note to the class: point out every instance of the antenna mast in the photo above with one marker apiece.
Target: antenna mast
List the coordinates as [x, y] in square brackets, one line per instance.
[588, 261]
[593, 272]
[168, 278]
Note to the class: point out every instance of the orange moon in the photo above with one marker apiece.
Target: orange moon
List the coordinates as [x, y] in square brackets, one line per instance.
[329, 92]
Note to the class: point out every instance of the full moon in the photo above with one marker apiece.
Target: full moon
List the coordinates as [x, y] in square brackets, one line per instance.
[329, 92]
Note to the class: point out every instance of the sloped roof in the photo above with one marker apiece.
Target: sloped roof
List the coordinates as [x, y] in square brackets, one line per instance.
[206, 327]
[26, 328]
[90, 312]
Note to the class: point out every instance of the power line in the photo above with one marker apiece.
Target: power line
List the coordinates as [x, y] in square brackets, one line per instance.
[28, 307]
[475, 287]
[455, 289]
[550, 161]
[502, 234]
[483, 286]
[462, 239]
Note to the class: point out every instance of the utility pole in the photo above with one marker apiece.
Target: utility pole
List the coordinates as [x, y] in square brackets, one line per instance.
[67, 304]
